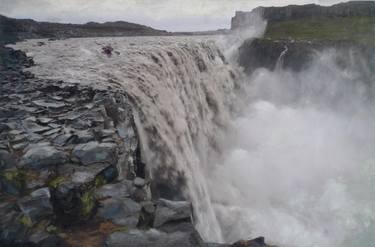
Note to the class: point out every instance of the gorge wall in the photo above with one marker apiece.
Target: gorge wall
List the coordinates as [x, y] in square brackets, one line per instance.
[292, 12]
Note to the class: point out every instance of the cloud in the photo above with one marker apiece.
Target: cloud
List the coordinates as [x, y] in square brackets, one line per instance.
[164, 14]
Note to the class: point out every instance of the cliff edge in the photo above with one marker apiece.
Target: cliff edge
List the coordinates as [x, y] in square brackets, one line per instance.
[303, 30]
[293, 12]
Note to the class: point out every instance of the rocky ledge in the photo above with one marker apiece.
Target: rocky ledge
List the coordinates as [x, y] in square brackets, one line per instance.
[71, 172]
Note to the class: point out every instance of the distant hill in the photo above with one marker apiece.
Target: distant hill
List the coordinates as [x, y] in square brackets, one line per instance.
[16, 29]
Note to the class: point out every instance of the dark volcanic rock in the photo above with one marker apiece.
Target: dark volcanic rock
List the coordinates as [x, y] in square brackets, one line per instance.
[37, 206]
[153, 238]
[123, 212]
[40, 156]
[118, 190]
[94, 152]
[7, 160]
[42, 122]
[167, 211]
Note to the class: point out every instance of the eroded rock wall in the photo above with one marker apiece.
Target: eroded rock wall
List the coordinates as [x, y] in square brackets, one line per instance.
[292, 12]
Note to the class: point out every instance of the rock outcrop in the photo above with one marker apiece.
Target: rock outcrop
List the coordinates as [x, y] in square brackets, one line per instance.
[60, 146]
[293, 12]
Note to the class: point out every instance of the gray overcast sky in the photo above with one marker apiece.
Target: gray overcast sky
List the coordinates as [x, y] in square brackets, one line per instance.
[172, 15]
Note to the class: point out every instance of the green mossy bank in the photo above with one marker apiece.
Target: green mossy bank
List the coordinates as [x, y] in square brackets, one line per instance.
[354, 29]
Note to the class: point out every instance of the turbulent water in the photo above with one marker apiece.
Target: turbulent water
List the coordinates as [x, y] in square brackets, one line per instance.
[294, 163]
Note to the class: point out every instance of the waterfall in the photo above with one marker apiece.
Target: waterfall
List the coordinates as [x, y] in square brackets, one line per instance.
[280, 61]
[295, 164]
[182, 91]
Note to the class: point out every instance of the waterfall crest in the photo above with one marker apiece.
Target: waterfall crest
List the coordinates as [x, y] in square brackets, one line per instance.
[182, 90]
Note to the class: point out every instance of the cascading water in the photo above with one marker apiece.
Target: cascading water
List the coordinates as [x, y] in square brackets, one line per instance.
[182, 90]
[295, 164]
[280, 60]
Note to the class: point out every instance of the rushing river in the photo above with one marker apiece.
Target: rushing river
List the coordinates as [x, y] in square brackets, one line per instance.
[289, 156]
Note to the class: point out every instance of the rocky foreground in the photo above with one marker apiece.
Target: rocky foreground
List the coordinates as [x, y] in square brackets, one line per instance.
[71, 172]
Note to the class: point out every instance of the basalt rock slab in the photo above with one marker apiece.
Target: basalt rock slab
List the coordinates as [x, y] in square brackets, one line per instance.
[168, 211]
[94, 152]
[7, 160]
[117, 190]
[153, 238]
[42, 156]
[36, 206]
[122, 212]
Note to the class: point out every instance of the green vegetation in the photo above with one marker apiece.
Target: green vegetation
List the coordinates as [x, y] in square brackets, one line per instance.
[99, 181]
[358, 29]
[26, 220]
[121, 229]
[54, 183]
[88, 202]
[15, 178]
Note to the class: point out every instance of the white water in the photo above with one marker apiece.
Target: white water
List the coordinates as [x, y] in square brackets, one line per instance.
[299, 168]
[296, 165]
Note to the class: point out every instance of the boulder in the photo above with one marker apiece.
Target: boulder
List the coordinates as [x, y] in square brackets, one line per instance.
[168, 211]
[94, 152]
[42, 156]
[73, 203]
[257, 242]
[36, 206]
[139, 182]
[12, 228]
[12, 181]
[7, 160]
[83, 136]
[63, 139]
[139, 194]
[148, 207]
[118, 190]
[96, 175]
[123, 212]
[153, 238]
